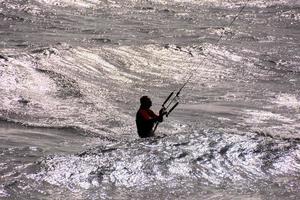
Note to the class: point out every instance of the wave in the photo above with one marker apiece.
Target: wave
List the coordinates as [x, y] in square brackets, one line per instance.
[81, 67]
[67, 87]
[118, 4]
[201, 159]
[97, 88]
[76, 130]
[42, 78]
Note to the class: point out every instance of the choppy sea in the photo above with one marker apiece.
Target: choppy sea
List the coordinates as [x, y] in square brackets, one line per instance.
[72, 73]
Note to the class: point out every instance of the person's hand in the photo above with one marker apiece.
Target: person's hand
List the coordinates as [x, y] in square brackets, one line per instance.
[163, 112]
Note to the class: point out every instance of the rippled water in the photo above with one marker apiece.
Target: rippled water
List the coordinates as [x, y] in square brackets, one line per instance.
[72, 73]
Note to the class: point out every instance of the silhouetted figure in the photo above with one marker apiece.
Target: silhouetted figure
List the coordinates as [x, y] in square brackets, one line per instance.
[146, 118]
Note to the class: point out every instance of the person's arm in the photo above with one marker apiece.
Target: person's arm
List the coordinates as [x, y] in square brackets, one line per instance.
[159, 118]
[150, 116]
[162, 112]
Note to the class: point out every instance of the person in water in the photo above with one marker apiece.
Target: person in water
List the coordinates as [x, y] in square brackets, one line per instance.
[146, 118]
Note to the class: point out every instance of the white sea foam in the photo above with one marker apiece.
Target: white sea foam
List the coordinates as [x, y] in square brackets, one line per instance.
[287, 100]
[221, 3]
[79, 3]
[231, 3]
[291, 14]
[3, 192]
[258, 117]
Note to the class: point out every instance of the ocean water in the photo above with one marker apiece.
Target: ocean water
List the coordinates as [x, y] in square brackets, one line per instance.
[72, 73]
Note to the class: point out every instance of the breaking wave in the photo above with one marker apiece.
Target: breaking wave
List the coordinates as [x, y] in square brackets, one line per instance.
[196, 160]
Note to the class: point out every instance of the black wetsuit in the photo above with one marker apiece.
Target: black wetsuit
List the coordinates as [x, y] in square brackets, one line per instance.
[145, 120]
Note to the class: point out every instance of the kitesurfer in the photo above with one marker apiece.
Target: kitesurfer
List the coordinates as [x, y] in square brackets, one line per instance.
[146, 118]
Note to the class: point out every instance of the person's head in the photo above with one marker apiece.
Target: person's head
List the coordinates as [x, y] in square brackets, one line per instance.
[145, 102]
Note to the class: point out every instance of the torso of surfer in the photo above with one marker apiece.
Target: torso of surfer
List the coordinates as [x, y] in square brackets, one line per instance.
[146, 118]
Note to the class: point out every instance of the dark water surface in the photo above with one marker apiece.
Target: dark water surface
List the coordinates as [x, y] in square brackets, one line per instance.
[72, 73]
